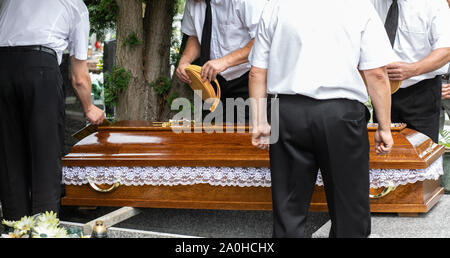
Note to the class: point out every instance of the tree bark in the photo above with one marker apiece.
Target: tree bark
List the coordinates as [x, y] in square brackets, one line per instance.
[158, 32]
[146, 62]
[179, 88]
[133, 102]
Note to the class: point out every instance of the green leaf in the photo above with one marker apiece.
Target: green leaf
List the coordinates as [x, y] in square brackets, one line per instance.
[115, 83]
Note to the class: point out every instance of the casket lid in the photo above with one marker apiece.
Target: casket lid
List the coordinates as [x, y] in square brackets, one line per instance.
[141, 143]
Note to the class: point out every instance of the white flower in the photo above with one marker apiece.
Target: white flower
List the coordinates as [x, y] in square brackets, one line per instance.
[61, 233]
[48, 218]
[49, 231]
[43, 226]
[21, 227]
[25, 224]
[9, 223]
[18, 234]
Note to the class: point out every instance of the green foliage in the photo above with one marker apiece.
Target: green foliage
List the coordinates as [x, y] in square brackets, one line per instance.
[97, 90]
[174, 96]
[115, 83]
[446, 138]
[175, 50]
[132, 40]
[171, 98]
[102, 15]
[161, 86]
[369, 106]
[100, 64]
[179, 6]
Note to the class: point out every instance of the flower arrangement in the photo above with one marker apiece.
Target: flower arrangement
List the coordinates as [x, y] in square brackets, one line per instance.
[43, 225]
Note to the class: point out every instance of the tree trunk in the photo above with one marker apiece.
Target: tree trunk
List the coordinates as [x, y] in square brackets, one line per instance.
[146, 62]
[158, 27]
[178, 88]
[134, 101]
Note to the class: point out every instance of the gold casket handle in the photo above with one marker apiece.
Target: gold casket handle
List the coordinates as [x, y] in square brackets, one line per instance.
[100, 190]
[386, 191]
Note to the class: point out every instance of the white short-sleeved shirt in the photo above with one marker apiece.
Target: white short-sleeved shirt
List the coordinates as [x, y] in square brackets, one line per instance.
[57, 24]
[234, 24]
[315, 48]
[424, 25]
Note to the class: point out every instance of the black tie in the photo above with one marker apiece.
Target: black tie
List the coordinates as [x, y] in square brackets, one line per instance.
[205, 52]
[391, 23]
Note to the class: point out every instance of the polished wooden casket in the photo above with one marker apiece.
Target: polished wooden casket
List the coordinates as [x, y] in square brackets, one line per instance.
[143, 164]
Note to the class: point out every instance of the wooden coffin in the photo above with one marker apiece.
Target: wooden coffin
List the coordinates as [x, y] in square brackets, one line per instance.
[139, 151]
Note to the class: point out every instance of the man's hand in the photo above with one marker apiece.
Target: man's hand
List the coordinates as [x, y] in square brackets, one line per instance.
[261, 136]
[212, 68]
[383, 142]
[181, 73]
[401, 71]
[95, 115]
[445, 91]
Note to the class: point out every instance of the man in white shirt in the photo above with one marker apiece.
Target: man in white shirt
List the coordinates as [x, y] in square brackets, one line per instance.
[33, 36]
[221, 35]
[445, 94]
[309, 53]
[420, 37]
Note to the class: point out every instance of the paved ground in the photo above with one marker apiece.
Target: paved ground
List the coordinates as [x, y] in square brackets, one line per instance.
[434, 224]
[258, 224]
[198, 223]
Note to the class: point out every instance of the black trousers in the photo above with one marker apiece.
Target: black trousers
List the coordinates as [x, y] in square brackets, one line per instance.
[233, 89]
[419, 106]
[31, 133]
[330, 135]
[237, 88]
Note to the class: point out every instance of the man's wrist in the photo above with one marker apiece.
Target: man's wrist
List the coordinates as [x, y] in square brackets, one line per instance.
[384, 128]
[183, 62]
[226, 61]
[88, 108]
[416, 69]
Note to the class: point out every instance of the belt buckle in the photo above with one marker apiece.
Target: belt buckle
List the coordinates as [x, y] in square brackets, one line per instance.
[445, 78]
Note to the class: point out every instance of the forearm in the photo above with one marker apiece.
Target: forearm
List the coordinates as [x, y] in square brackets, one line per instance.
[239, 56]
[258, 95]
[432, 62]
[192, 51]
[81, 82]
[379, 90]
[82, 88]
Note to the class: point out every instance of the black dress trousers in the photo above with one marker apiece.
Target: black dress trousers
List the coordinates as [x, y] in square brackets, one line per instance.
[419, 106]
[330, 135]
[31, 133]
[233, 89]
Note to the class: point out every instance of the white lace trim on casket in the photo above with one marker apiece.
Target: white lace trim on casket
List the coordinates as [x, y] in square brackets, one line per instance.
[395, 177]
[225, 176]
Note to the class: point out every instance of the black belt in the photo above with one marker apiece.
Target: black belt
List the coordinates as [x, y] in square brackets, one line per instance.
[29, 48]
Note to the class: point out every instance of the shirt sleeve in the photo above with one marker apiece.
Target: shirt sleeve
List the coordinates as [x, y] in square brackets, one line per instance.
[260, 53]
[187, 23]
[79, 37]
[439, 29]
[376, 50]
[250, 13]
